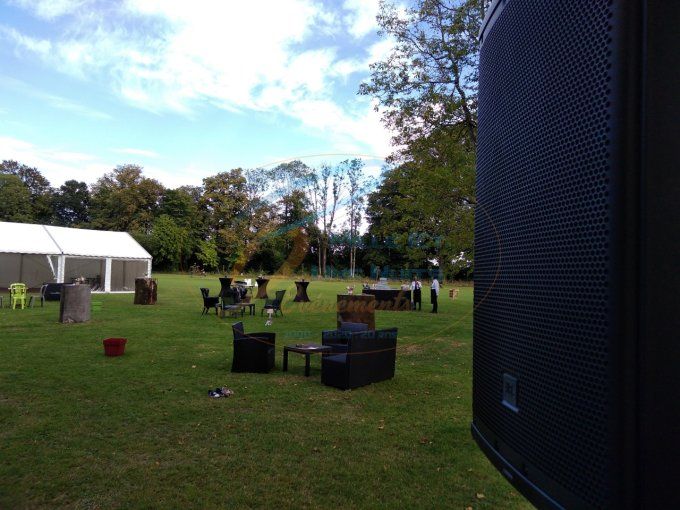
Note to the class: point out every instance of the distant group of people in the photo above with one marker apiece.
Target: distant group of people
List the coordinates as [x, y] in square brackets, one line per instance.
[417, 293]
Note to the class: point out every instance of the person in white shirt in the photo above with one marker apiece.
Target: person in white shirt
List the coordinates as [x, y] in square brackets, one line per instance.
[434, 293]
[416, 293]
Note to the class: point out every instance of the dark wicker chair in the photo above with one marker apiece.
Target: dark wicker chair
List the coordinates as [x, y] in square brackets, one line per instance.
[337, 338]
[274, 304]
[209, 302]
[40, 296]
[53, 291]
[370, 358]
[253, 352]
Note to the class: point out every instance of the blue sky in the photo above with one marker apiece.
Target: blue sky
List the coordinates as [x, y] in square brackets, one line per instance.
[185, 88]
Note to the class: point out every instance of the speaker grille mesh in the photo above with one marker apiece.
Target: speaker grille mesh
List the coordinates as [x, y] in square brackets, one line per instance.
[542, 232]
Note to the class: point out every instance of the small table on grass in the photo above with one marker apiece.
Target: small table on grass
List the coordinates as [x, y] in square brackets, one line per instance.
[307, 350]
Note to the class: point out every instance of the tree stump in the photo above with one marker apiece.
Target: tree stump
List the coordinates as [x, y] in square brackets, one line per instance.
[75, 303]
[146, 291]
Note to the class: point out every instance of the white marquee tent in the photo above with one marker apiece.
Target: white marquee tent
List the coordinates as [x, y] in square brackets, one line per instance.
[37, 254]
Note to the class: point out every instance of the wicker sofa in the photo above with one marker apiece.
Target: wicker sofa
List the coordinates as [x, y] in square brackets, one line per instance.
[367, 357]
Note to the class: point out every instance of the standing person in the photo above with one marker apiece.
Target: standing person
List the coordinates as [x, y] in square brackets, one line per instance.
[416, 292]
[434, 293]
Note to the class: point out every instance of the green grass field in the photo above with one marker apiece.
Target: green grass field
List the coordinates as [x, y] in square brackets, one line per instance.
[80, 430]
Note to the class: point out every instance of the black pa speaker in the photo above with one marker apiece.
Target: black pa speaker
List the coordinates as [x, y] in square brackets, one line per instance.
[577, 286]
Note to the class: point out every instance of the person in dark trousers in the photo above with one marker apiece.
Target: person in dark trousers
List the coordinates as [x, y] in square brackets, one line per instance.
[434, 293]
[416, 292]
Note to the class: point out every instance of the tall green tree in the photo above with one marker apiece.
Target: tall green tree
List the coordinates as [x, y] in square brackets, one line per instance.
[237, 215]
[424, 211]
[327, 194]
[385, 217]
[179, 205]
[224, 202]
[429, 80]
[289, 188]
[15, 200]
[38, 187]
[427, 91]
[125, 200]
[71, 204]
[288, 177]
[182, 205]
[169, 242]
[357, 185]
[206, 255]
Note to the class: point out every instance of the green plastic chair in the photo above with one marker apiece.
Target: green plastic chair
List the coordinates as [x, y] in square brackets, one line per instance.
[17, 295]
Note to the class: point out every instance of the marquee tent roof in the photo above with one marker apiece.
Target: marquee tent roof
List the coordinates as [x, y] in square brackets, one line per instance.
[26, 238]
[73, 242]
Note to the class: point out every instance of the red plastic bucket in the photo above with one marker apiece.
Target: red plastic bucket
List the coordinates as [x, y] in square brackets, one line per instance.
[114, 346]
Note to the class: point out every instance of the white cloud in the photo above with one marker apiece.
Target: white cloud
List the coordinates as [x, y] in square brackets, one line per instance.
[179, 56]
[40, 47]
[59, 165]
[56, 165]
[380, 50]
[362, 16]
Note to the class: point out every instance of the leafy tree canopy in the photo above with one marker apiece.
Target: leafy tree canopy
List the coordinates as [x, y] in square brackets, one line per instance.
[40, 193]
[71, 204]
[125, 200]
[15, 200]
[429, 80]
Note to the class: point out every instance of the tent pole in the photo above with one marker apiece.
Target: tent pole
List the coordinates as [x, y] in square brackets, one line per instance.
[107, 276]
[21, 267]
[49, 261]
[148, 268]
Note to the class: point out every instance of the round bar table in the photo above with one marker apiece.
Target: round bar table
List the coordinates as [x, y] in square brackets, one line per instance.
[301, 295]
[262, 288]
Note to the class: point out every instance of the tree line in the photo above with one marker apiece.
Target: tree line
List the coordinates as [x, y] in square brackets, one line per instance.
[292, 217]
[237, 220]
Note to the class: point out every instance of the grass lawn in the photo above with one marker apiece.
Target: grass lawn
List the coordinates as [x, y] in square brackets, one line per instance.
[80, 430]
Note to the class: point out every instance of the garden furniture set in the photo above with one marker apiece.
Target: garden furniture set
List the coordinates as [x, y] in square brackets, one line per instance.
[233, 300]
[352, 356]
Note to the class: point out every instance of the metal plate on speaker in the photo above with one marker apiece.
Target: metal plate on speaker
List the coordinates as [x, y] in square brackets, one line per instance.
[510, 392]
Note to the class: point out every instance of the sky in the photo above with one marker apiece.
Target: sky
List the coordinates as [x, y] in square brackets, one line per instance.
[186, 88]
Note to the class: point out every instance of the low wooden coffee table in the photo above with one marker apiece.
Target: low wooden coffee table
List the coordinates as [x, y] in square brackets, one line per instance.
[307, 350]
